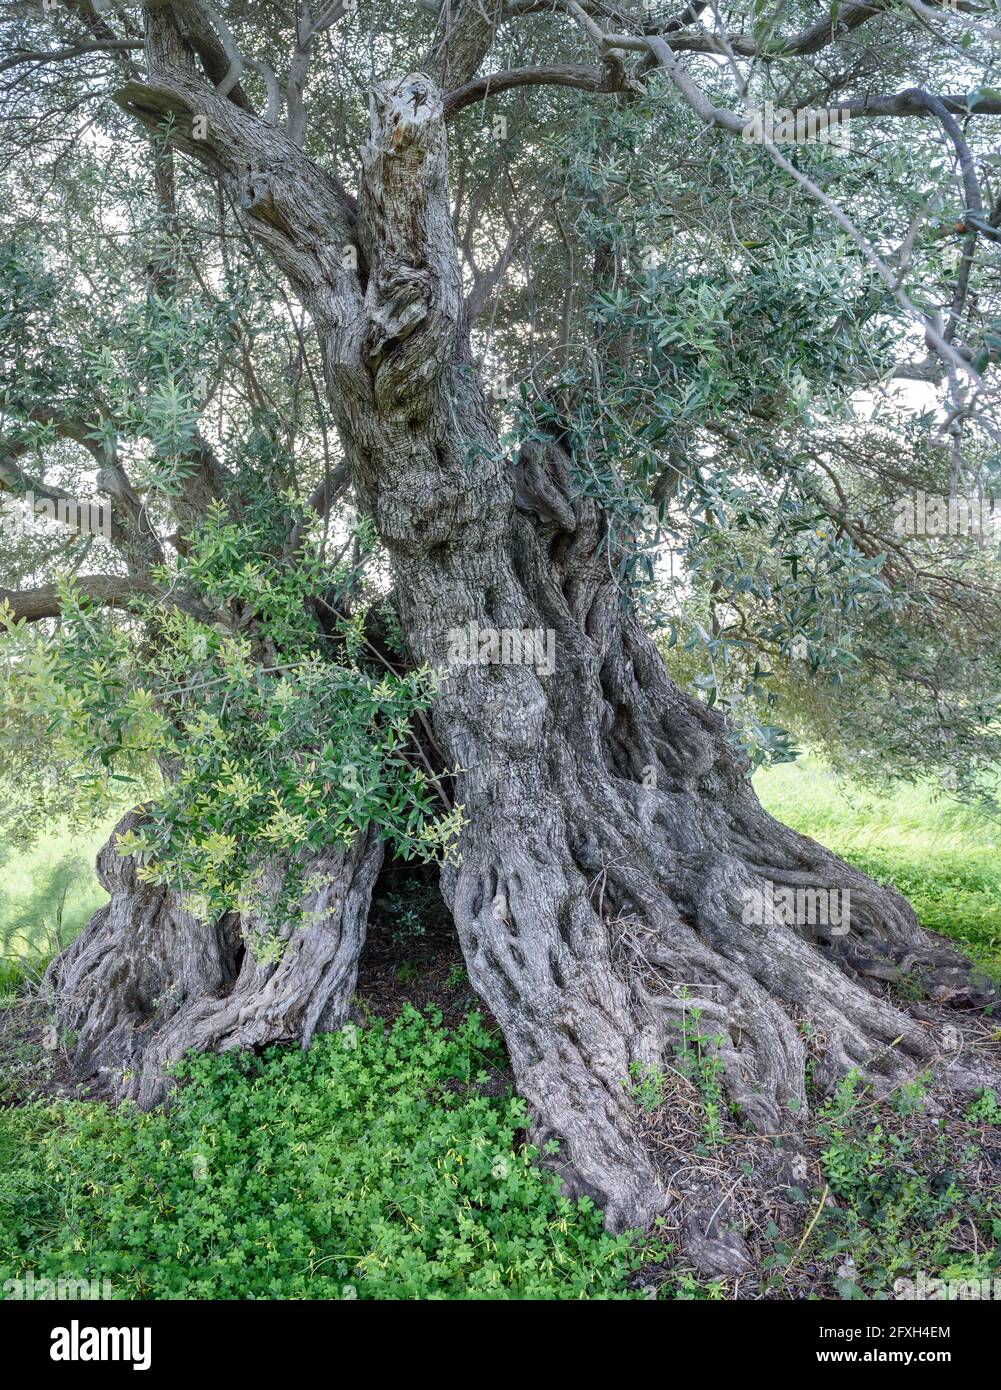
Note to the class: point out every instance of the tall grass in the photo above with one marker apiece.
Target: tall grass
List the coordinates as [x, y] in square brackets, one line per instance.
[46, 896]
[944, 857]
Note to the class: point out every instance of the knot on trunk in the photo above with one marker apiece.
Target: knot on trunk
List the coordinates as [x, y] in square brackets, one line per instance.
[403, 112]
[542, 486]
[258, 199]
[398, 306]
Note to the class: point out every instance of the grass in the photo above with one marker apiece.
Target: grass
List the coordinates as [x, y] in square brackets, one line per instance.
[46, 895]
[944, 858]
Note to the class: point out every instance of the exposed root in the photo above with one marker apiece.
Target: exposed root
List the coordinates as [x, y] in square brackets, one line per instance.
[626, 891]
[145, 982]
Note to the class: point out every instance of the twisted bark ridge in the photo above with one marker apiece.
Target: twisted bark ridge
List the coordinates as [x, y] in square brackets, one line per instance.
[612, 842]
[146, 982]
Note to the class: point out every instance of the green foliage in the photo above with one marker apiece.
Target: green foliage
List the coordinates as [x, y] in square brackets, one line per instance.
[897, 1211]
[697, 1059]
[646, 1085]
[408, 908]
[272, 744]
[985, 1109]
[728, 418]
[892, 1207]
[371, 1166]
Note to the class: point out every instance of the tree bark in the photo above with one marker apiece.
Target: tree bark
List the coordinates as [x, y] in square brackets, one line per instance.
[146, 982]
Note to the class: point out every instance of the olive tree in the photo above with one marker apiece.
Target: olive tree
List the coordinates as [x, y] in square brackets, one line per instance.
[513, 290]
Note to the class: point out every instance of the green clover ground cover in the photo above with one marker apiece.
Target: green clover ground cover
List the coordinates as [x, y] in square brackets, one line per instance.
[371, 1166]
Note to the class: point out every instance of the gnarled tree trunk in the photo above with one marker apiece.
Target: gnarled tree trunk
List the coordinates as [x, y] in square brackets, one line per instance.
[146, 982]
[612, 839]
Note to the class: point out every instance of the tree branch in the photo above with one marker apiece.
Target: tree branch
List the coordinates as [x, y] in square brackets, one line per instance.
[62, 55]
[914, 102]
[813, 39]
[604, 78]
[465, 35]
[307, 26]
[321, 499]
[110, 590]
[297, 210]
[129, 530]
